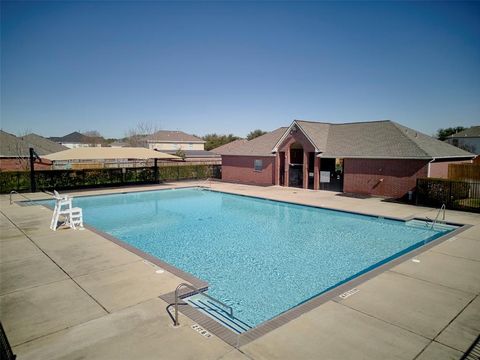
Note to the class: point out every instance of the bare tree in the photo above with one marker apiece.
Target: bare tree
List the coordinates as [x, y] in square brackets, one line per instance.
[95, 136]
[92, 133]
[21, 151]
[136, 136]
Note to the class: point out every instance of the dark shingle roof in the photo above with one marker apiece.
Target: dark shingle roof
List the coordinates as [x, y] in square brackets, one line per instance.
[74, 137]
[12, 146]
[473, 131]
[385, 139]
[316, 131]
[77, 138]
[225, 148]
[373, 139]
[166, 135]
[42, 146]
[260, 146]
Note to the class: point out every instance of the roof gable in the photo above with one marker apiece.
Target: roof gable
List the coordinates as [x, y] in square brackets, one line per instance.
[296, 124]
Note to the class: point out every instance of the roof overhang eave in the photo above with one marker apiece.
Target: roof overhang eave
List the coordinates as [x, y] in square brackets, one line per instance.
[251, 155]
[177, 141]
[339, 156]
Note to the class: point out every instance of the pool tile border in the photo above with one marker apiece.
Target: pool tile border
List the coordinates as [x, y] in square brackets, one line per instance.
[198, 283]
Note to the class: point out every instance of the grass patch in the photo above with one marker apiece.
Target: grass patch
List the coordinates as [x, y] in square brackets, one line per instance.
[472, 203]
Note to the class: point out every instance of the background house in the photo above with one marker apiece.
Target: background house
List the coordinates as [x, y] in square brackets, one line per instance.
[165, 140]
[171, 142]
[76, 140]
[379, 157]
[15, 154]
[468, 139]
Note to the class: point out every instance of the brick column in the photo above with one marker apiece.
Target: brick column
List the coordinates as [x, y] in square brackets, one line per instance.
[276, 165]
[287, 167]
[305, 169]
[316, 173]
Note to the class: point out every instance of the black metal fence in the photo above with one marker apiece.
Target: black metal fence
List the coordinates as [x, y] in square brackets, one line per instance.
[5, 349]
[455, 194]
[77, 179]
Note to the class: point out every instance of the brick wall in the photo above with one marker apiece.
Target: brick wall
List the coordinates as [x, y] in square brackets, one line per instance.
[440, 169]
[391, 178]
[240, 169]
[14, 164]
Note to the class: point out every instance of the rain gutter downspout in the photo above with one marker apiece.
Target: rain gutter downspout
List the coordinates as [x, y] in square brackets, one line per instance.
[428, 169]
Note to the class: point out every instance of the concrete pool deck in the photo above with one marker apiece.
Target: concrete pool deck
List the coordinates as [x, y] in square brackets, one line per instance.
[74, 294]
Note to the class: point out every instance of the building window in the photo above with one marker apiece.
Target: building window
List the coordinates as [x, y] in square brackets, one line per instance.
[258, 165]
[190, 146]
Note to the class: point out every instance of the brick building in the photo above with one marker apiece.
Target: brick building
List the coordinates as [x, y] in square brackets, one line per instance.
[379, 158]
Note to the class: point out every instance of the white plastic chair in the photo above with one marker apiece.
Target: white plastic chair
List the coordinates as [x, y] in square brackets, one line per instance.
[63, 206]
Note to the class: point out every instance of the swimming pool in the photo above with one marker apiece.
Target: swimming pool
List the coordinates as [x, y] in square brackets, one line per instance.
[261, 257]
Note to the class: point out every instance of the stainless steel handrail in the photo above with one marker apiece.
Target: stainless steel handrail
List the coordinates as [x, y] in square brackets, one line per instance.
[196, 290]
[438, 214]
[209, 181]
[14, 192]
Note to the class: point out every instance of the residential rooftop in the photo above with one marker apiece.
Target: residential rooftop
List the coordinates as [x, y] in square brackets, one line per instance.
[172, 136]
[473, 131]
[372, 139]
[77, 138]
[225, 148]
[14, 146]
[39, 143]
[259, 146]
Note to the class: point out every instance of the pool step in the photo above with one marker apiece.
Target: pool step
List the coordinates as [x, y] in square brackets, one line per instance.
[216, 312]
[422, 224]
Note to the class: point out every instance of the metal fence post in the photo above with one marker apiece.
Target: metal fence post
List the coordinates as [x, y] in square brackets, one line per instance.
[156, 170]
[33, 187]
[450, 202]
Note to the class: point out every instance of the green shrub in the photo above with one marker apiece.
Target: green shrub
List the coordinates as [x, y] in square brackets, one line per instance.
[72, 179]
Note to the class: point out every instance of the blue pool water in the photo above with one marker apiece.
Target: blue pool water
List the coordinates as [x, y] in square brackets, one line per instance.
[260, 257]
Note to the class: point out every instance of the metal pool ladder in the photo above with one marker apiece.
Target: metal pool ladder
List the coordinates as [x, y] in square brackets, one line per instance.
[438, 214]
[14, 192]
[205, 184]
[197, 291]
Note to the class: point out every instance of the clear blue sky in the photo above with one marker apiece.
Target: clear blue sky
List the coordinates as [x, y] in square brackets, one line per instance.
[231, 67]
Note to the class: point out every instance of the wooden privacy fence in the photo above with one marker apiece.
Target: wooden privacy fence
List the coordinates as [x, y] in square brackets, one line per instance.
[464, 172]
[455, 194]
[77, 179]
